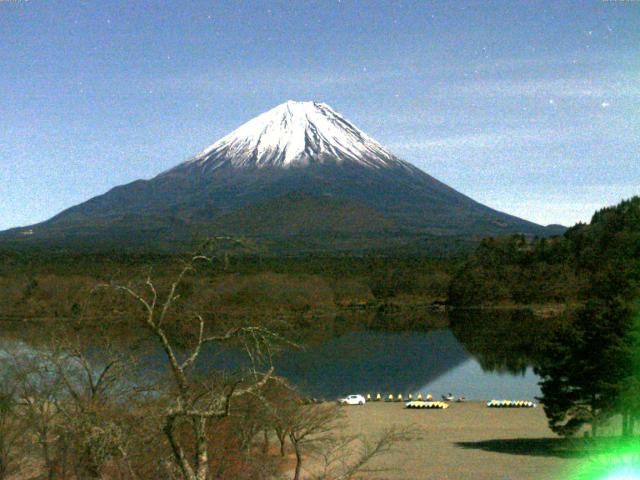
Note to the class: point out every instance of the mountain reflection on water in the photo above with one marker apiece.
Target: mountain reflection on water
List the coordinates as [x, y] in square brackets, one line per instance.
[373, 362]
[482, 355]
[503, 341]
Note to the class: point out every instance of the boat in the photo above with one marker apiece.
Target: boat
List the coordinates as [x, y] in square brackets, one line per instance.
[510, 404]
[428, 405]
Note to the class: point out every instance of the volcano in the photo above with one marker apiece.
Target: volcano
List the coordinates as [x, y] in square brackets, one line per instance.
[299, 173]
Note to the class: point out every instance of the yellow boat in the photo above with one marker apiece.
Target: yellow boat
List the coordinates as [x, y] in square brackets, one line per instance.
[428, 405]
[510, 404]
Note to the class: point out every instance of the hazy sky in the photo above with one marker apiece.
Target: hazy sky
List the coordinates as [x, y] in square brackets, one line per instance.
[531, 107]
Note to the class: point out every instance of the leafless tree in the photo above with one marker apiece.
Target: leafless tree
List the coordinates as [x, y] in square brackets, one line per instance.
[37, 387]
[73, 404]
[281, 404]
[194, 402]
[347, 457]
[316, 431]
[311, 426]
[93, 401]
[11, 431]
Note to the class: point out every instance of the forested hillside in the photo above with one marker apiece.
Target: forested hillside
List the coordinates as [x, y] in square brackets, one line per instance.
[564, 269]
[589, 365]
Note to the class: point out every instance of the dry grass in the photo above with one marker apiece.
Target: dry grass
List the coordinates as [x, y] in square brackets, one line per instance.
[466, 442]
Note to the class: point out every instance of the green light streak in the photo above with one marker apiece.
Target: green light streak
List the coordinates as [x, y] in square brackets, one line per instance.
[620, 463]
[618, 458]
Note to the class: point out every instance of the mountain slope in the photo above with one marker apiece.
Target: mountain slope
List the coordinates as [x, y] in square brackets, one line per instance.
[298, 169]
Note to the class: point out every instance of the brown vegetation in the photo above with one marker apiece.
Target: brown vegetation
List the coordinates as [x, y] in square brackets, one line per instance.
[83, 405]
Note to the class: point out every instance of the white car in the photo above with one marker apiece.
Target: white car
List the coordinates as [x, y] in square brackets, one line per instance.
[352, 400]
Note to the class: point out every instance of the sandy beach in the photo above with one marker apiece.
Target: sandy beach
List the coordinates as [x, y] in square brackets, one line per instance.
[467, 441]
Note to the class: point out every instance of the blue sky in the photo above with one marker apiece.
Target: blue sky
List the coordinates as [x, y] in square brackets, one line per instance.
[532, 108]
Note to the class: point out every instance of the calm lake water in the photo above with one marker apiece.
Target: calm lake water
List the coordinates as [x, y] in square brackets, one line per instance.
[371, 362]
[481, 356]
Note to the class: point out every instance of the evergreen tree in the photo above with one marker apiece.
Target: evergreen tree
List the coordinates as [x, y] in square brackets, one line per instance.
[585, 368]
[592, 369]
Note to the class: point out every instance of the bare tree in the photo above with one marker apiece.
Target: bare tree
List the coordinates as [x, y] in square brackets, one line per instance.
[37, 388]
[93, 401]
[281, 404]
[73, 400]
[310, 426]
[346, 457]
[11, 432]
[316, 431]
[194, 403]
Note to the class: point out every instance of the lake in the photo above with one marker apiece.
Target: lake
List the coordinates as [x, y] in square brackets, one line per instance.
[481, 356]
[412, 362]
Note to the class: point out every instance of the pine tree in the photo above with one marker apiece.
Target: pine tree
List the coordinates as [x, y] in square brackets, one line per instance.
[592, 370]
[582, 373]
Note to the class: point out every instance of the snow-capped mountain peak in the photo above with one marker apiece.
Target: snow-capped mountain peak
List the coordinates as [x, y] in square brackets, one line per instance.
[295, 134]
[299, 171]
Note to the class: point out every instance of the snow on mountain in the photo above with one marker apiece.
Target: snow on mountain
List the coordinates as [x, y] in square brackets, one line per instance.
[297, 171]
[295, 134]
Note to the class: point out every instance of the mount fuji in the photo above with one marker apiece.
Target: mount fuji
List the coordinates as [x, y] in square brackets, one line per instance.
[299, 173]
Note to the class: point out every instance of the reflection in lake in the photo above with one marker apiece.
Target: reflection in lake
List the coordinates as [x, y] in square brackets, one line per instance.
[370, 362]
[470, 380]
[373, 362]
[508, 341]
[483, 355]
